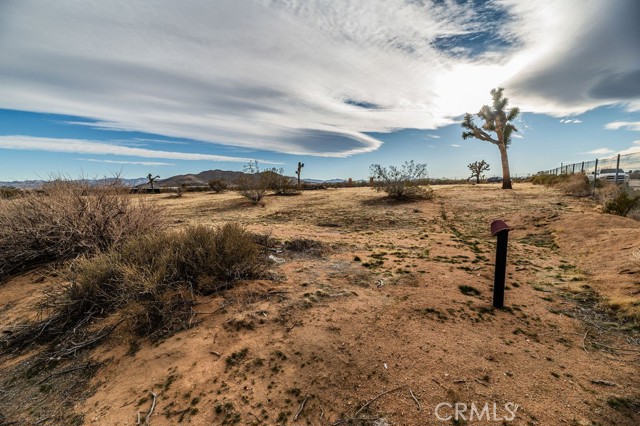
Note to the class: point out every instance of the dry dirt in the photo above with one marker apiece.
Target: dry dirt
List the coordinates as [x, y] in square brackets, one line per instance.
[383, 308]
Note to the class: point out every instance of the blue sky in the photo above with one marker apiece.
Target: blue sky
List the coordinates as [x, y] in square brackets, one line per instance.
[166, 88]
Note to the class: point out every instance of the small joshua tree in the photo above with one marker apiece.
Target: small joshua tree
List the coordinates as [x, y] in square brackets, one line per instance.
[401, 183]
[477, 168]
[299, 170]
[152, 180]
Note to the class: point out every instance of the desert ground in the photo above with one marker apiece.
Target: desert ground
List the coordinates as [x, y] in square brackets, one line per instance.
[387, 315]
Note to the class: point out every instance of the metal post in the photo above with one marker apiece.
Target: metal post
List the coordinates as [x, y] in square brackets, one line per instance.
[617, 167]
[582, 169]
[573, 172]
[595, 177]
[501, 230]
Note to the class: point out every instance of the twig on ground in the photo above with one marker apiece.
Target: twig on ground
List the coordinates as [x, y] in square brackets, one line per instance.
[415, 399]
[301, 408]
[377, 397]
[295, 324]
[583, 340]
[153, 406]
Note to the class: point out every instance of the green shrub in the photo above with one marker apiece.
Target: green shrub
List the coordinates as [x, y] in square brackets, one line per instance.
[406, 182]
[622, 204]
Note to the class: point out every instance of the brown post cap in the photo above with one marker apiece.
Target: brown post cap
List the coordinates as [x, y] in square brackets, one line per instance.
[498, 226]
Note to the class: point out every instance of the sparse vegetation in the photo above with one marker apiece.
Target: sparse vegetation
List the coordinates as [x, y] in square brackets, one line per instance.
[8, 192]
[67, 219]
[278, 182]
[407, 182]
[150, 282]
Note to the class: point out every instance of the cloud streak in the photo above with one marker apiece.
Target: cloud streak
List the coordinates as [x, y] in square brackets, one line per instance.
[309, 77]
[79, 146]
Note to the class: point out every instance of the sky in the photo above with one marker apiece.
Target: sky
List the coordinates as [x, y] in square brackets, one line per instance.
[156, 86]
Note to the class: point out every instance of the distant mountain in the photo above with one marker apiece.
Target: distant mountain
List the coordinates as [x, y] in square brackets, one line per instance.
[34, 184]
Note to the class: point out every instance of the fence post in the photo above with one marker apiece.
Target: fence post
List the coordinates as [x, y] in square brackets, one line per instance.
[582, 169]
[501, 230]
[617, 167]
[595, 177]
[573, 172]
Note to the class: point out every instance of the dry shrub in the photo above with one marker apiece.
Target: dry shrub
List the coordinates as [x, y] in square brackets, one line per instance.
[8, 192]
[218, 185]
[576, 185]
[253, 185]
[405, 183]
[305, 245]
[616, 200]
[151, 281]
[279, 183]
[67, 219]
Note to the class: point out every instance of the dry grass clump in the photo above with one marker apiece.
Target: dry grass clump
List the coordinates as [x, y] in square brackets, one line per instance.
[305, 245]
[617, 200]
[150, 282]
[8, 192]
[576, 185]
[66, 219]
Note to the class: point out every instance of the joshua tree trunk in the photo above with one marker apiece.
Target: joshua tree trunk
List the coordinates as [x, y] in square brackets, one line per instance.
[478, 178]
[506, 176]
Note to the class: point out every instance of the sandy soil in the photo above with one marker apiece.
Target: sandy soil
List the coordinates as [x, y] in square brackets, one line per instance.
[382, 310]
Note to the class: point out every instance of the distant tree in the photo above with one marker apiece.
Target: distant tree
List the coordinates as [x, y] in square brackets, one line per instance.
[299, 170]
[152, 180]
[477, 168]
[401, 183]
[498, 120]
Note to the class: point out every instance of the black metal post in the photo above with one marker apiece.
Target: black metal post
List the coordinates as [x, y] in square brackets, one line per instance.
[582, 169]
[595, 177]
[617, 168]
[501, 230]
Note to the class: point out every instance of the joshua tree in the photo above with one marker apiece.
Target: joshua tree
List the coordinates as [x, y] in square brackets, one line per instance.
[498, 120]
[299, 170]
[477, 168]
[152, 180]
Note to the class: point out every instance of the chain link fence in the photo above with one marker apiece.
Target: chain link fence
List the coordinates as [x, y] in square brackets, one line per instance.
[620, 168]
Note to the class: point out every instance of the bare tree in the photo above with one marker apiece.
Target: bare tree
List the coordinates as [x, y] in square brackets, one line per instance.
[498, 120]
[299, 170]
[253, 184]
[477, 168]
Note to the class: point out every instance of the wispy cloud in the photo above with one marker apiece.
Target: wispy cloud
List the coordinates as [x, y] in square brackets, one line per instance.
[432, 136]
[631, 125]
[455, 145]
[517, 136]
[141, 163]
[570, 121]
[79, 146]
[600, 151]
[287, 76]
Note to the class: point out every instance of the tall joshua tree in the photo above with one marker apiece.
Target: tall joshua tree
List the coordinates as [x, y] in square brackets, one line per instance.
[497, 120]
[299, 170]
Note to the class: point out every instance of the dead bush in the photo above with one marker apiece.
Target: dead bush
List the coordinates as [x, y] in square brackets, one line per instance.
[576, 185]
[406, 182]
[279, 183]
[253, 185]
[67, 219]
[8, 192]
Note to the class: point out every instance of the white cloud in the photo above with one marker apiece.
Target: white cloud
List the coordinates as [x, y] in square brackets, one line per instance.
[636, 142]
[517, 136]
[307, 77]
[142, 163]
[79, 146]
[570, 121]
[600, 151]
[630, 125]
[455, 145]
[432, 136]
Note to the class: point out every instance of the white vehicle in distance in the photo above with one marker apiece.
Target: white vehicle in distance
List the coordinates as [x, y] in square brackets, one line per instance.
[609, 175]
